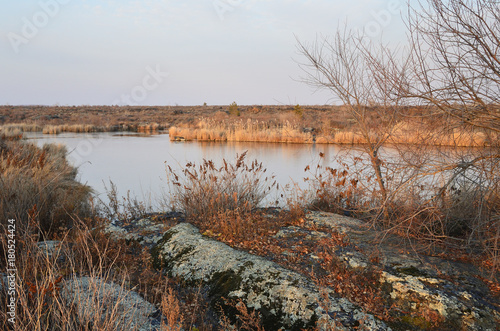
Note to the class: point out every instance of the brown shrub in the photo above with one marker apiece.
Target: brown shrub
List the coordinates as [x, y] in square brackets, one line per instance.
[206, 190]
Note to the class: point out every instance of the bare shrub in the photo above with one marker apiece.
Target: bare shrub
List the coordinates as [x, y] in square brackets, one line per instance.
[172, 310]
[349, 69]
[126, 207]
[334, 190]
[443, 90]
[206, 190]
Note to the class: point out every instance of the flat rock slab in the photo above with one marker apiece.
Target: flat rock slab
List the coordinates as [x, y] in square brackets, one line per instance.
[285, 299]
[100, 304]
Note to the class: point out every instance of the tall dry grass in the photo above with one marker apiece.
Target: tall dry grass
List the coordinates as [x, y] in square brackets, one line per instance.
[82, 128]
[242, 130]
[121, 208]
[20, 127]
[447, 134]
[288, 130]
[38, 185]
[203, 191]
[41, 275]
[76, 128]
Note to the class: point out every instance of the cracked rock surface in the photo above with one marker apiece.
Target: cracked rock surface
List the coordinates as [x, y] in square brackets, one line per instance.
[284, 298]
[417, 282]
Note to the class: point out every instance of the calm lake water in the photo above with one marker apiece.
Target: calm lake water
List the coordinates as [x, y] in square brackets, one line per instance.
[136, 163]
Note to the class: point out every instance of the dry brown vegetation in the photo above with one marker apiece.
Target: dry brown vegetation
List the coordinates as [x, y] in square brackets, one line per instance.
[38, 185]
[205, 190]
[319, 124]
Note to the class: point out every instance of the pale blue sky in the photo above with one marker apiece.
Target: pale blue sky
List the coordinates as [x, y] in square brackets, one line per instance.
[96, 52]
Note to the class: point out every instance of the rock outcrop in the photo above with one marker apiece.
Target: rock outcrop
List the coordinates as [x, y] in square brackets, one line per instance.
[415, 284]
[98, 302]
[146, 231]
[451, 290]
[283, 298]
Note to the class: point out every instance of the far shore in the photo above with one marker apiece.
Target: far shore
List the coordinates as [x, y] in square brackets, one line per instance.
[254, 123]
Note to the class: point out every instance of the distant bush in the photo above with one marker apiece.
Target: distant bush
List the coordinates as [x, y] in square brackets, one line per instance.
[233, 109]
[38, 185]
[206, 190]
[298, 111]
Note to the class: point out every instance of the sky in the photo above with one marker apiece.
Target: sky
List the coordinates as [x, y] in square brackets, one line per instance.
[173, 52]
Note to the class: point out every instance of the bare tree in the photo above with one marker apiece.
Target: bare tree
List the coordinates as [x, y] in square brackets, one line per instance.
[456, 70]
[452, 71]
[351, 70]
[456, 60]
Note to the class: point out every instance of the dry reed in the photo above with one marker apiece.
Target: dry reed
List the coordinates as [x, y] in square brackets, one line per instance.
[286, 131]
[206, 190]
[41, 275]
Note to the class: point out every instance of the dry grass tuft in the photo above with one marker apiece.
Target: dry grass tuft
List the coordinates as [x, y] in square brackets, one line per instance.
[42, 273]
[204, 191]
[38, 185]
[171, 309]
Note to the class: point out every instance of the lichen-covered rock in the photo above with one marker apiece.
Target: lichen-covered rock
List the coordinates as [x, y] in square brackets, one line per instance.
[416, 282]
[146, 231]
[284, 298]
[461, 308]
[98, 303]
[49, 247]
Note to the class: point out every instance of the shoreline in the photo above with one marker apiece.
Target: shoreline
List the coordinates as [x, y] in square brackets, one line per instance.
[279, 124]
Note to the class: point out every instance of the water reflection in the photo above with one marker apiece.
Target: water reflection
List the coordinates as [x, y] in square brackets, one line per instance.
[136, 163]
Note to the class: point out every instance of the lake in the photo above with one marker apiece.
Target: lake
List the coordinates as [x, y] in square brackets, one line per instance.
[136, 162]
